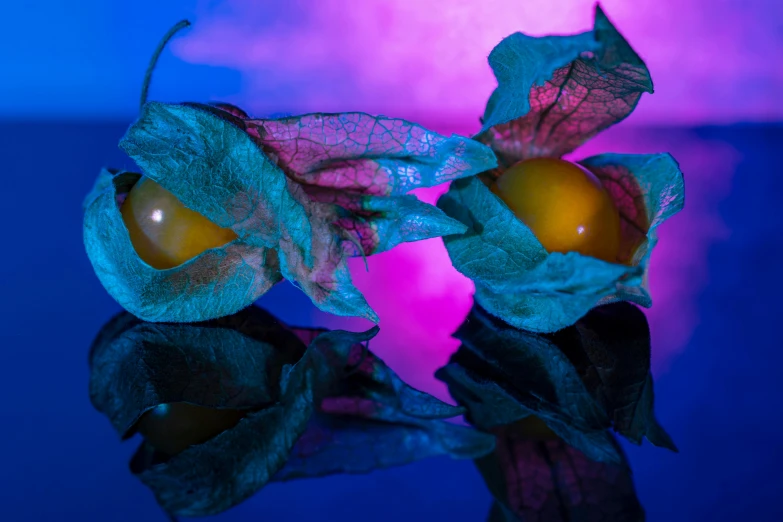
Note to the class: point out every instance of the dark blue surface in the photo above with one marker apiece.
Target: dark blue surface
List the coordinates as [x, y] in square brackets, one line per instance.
[720, 398]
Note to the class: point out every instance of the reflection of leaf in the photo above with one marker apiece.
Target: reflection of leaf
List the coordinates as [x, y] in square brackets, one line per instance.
[519, 282]
[216, 169]
[229, 363]
[556, 92]
[549, 481]
[355, 413]
[579, 381]
[374, 420]
[212, 364]
[354, 444]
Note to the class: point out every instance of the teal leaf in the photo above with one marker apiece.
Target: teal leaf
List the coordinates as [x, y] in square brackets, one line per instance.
[402, 219]
[495, 245]
[647, 189]
[516, 279]
[284, 187]
[580, 381]
[216, 169]
[363, 154]
[374, 224]
[549, 481]
[556, 92]
[216, 283]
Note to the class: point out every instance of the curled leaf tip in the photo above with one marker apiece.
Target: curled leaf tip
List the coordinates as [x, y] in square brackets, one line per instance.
[555, 92]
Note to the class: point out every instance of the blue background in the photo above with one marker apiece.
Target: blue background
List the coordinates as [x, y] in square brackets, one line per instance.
[720, 398]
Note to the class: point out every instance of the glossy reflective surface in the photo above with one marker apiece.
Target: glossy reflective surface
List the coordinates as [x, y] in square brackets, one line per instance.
[164, 232]
[714, 349]
[564, 205]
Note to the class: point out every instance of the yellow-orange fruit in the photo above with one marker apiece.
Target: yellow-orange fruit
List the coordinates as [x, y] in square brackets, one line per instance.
[564, 205]
[164, 232]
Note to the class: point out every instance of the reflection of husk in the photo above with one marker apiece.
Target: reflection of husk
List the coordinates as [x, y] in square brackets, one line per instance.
[209, 478]
[248, 361]
[580, 381]
[236, 360]
[357, 412]
[548, 481]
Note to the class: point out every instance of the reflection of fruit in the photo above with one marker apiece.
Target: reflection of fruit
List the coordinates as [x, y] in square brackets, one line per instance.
[172, 428]
[164, 232]
[534, 428]
[564, 205]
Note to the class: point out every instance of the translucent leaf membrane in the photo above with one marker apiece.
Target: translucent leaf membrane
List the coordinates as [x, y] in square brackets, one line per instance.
[549, 481]
[647, 189]
[580, 381]
[373, 224]
[317, 402]
[137, 365]
[518, 281]
[211, 157]
[360, 153]
[556, 92]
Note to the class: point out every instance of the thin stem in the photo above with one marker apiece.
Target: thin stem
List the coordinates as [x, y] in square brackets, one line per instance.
[154, 60]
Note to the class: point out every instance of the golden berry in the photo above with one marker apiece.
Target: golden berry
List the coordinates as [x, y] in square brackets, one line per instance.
[564, 205]
[164, 232]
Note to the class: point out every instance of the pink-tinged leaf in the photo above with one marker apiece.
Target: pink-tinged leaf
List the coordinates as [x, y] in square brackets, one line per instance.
[556, 92]
[319, 268]
[373, 224]
[647, 189]
[243, 174]
[360, 153]
[535, 480]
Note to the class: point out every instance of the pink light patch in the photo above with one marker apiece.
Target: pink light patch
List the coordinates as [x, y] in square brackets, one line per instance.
[710, 61]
